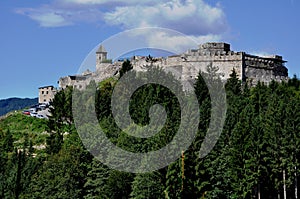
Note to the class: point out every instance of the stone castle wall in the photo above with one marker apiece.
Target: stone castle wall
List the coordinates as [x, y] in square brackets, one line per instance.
[264, 69]
[46, 94]
[186, 66]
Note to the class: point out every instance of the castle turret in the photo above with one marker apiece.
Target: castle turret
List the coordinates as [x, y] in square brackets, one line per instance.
[215, 47]
[101, 55]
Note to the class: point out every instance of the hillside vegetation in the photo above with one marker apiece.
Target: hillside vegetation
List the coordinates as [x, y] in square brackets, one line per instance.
[24, 127]
[256, 156]
[11, 104]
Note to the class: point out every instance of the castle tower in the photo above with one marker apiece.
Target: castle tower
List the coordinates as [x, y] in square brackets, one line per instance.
[101, 55]
[46, 94]
[215, 47]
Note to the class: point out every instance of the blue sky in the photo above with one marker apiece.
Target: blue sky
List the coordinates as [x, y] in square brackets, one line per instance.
[43, 40]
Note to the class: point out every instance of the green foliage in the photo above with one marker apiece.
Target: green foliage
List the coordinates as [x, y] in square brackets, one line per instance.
[60, 120]
[118, 184]
[258, 147]
[21, 126]
[12, 104]
[107, 61]
[96, 182]
[148, 185]
[233, 84]
[61, 176]
[126, 66]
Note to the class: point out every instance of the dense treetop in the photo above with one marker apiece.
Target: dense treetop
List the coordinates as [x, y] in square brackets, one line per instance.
[256, 156]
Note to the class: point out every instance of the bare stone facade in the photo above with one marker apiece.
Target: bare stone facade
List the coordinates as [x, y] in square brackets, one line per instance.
[76, 81]
[46, 94]
[250, 68]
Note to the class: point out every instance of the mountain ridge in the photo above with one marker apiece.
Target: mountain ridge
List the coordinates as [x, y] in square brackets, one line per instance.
[15, 103]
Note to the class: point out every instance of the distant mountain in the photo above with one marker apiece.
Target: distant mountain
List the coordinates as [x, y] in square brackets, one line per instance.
[11, 104]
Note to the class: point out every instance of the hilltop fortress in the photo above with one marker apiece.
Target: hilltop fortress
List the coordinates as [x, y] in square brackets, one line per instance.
[250, 68]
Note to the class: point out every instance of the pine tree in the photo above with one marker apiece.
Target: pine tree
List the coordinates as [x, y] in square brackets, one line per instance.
[148, 185]
[233, 84]
[174, 180]
[61, 176]
[126, 66]
[118, 185]
[96, 181]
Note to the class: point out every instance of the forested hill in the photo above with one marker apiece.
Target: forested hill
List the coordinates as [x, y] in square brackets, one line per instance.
[257, 154]
[11, 104]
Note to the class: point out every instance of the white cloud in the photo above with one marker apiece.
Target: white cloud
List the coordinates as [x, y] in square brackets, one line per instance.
[195, 18]
[158, 38]
[50, 16]
[178, 42]
[100, 2]
[192, 17]
[50, 20]
[261, 53]
[45, 16]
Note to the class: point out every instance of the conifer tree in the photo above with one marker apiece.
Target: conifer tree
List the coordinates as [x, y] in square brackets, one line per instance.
[233, 84]
[148, 185]
[96, 181]
[126, 66]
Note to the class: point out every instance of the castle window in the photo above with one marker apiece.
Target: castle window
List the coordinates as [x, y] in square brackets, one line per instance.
[47, 92]
[42, 92]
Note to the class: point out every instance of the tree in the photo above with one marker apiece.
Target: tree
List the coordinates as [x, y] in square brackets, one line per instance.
[96, 181]
[61, 119]
[233, 84]
[148, 185]
[118, 185]
[126, 66]
[62, 176]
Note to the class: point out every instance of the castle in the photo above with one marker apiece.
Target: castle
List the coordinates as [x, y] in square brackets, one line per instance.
[46, 94]
[249, 68]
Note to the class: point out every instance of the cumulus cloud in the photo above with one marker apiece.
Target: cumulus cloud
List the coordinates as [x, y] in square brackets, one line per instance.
[177, 42]
[101, 2]
[50, 20]
[195, 18]
[58, 16]
[191, 16]
[46, 18]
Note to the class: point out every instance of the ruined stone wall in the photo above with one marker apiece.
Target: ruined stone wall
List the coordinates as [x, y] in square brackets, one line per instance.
[186, 66]
[190, 63]
[81, 84]
[77, 81]
[224, 62]
[106, 70]
[63, 82]
[264, 69]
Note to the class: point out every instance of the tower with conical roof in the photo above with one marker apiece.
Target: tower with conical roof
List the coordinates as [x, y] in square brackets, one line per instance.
[101, 55]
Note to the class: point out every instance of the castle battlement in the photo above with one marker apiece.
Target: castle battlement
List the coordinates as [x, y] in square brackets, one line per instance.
[249, 68]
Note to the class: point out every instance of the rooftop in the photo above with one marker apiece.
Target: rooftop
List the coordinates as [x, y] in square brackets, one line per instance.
[101, 49]
[46, 87]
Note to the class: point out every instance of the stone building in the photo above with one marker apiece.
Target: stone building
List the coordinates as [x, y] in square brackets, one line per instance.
[76, 81]
[101, 55]
[46, 94]
[249, 68]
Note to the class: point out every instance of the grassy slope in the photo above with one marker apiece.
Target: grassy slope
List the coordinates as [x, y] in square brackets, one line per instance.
[22, 125]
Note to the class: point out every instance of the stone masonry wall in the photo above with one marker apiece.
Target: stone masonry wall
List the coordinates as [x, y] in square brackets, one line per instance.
[186, 66]
[264, 69]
